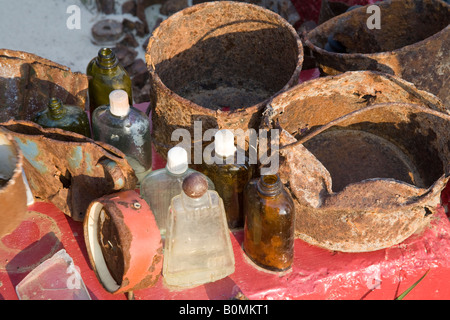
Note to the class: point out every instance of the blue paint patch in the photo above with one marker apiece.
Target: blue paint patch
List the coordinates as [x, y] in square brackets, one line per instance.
[31, 152]
[89, 164]
[76, 158]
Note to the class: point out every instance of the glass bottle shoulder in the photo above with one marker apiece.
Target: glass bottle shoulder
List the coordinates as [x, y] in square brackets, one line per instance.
[103, 117]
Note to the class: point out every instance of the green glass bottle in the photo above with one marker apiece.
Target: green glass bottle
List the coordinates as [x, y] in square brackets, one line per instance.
[105, 75]
[66, 117]
[269, 223]
[229, 176]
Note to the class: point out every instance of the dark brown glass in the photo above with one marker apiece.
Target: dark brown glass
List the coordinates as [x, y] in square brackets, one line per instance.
[105, 75]
[230, 179]
[269, 224]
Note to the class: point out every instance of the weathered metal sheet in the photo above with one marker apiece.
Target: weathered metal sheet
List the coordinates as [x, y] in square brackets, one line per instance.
[365, 156]
[13, 197]
[27, 82]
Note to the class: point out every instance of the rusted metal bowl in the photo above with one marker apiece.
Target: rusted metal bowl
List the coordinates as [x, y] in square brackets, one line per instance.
[413, 43]
[219, 63]
[123, 242]
[365, 173]
[13, 197]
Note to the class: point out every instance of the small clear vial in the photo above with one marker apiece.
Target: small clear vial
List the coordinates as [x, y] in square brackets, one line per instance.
[127, 129]
[198, 247]
[160, 186]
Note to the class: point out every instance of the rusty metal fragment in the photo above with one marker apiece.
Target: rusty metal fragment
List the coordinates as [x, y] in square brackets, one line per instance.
[219, 63]
[413, 43]
[365, 156]
[13, 198]
[27, 82]
[69, 169]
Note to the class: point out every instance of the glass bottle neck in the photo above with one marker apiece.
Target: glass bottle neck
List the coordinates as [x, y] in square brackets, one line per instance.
[56, 109]
[269, 186]
[106, 59]
[192, 203]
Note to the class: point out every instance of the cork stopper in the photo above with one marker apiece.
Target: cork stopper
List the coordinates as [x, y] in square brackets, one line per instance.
[195, 185]
[118, 101]
[224, 143]
[177, 160]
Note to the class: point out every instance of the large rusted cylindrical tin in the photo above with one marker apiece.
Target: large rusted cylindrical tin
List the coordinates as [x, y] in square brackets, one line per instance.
[123, 242]
[365, 156]
[13, 197]
[413, 41]
[219, 63]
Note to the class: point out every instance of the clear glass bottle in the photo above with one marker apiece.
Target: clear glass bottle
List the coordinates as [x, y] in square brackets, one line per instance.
[198, 247]
[160, 186]
[66, 117]
[105, 75]
[127, 129]
[228, 175]
[269, 224]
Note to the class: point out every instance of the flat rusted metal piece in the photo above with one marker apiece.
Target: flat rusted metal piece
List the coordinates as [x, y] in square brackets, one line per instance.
[219, 63]
[412, 43]
[365, 156]
[69, 169]
[13, 197]
[27, 82]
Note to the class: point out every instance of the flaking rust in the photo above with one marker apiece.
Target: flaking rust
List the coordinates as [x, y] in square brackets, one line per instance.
[413, 42]
[365, 174]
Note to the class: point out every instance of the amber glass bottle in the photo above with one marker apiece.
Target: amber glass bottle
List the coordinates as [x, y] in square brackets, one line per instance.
[69, 118]
[229, 176]
[105, 75]
[269, 223]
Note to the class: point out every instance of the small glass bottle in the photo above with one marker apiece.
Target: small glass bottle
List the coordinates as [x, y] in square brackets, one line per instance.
[127, 129]
[105, 75]
[269, 224]
[229, 175]
[198, 247]
[66, 117]
[160, 186]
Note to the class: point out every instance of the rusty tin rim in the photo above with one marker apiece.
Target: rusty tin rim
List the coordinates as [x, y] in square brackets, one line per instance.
[140, 241]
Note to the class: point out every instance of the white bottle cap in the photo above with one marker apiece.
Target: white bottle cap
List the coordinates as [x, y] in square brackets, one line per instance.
[177, 160]
[224, 143]
[118, 101]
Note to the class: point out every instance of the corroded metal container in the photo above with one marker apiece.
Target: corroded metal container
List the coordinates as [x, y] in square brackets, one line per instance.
[13, 197]
[365, 156]
[123, 242]
[219, 63]
[28, 81]
[413, 42]
[69, 169]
